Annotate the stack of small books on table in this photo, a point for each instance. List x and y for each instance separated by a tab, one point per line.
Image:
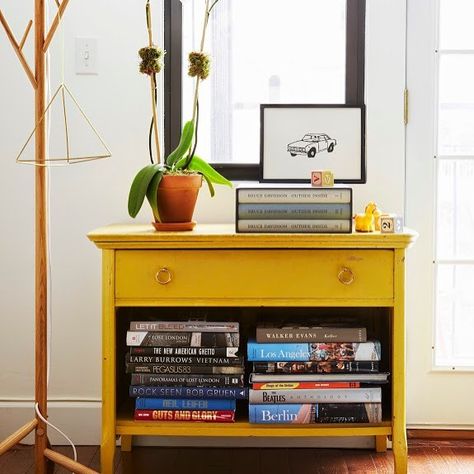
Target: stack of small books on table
295	210
185	370
310	375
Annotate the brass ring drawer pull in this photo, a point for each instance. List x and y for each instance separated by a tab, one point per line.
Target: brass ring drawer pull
345	276
163	276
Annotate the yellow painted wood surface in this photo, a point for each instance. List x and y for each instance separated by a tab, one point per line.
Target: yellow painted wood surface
214	266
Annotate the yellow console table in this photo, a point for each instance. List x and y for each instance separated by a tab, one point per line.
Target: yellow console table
212	267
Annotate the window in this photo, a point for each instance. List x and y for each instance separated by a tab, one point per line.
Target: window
263	51
454	259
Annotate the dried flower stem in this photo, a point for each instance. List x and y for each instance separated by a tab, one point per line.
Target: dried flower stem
153	86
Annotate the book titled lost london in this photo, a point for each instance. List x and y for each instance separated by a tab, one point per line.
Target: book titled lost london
183	339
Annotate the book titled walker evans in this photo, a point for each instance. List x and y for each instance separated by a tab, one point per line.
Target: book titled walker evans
192	380
181	369
222	393
183	339
184	326
318	351
297	226
316	413
294	195
216	361
343	395
183	404
313	367
310	334
208	416
294	211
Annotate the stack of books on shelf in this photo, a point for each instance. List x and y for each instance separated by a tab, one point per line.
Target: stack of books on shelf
295	210
311	375
185	370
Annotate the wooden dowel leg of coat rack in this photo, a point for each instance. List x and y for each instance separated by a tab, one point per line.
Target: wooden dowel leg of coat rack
41	256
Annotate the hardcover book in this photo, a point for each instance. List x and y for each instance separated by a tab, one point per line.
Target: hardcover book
223	393
193	380
378	377
183	404
207	416
189	360
180	369
303	385
294	195
294	211
297	226
316	413
186	351
289	333
184	326
316	351
341	395
183	339
325	367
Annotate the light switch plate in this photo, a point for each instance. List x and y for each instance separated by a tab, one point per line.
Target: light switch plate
86	56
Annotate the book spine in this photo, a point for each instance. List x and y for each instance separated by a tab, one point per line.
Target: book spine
216	361
316	413
182	339
208	416
321	334
186	351
303	385
183	404
294	195
316	367
344	395
319	352
294	211
298	226
199	380
184	326
223	393
180	369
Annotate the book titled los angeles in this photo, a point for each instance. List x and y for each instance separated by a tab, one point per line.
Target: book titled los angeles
317	351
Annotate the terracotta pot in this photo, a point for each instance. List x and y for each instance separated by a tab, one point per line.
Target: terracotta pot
177	195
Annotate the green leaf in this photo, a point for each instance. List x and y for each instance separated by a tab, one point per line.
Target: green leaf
209	184
152	193
199	165
139	188
184	144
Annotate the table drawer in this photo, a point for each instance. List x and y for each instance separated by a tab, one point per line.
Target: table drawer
256	274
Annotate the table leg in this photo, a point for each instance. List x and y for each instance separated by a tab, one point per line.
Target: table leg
126	443
380	443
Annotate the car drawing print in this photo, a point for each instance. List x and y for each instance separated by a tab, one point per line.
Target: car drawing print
311	144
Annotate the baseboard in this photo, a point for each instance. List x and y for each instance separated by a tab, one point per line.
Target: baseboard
443	433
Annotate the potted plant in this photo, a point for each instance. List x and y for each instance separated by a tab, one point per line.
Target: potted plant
171	185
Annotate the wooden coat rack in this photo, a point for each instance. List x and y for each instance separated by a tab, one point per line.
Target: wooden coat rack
45	457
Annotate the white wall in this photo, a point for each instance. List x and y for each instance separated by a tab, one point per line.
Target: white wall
87	196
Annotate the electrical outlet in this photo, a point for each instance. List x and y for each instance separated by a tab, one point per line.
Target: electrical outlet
86	56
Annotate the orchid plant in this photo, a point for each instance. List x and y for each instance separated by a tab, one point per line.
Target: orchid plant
183	159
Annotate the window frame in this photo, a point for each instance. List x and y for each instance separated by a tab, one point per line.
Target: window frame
355	78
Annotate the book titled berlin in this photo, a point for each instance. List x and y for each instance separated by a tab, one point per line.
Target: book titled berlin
183	339
316	413
207	416
294	195
184	326
336	226
342	395
318	351
310	334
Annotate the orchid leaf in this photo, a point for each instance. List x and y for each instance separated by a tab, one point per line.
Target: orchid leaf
210	185
139	188
152	193
184	144
199	165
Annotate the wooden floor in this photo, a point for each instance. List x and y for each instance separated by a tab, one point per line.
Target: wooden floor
425	457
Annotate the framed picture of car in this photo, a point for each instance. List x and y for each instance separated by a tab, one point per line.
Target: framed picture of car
296	139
